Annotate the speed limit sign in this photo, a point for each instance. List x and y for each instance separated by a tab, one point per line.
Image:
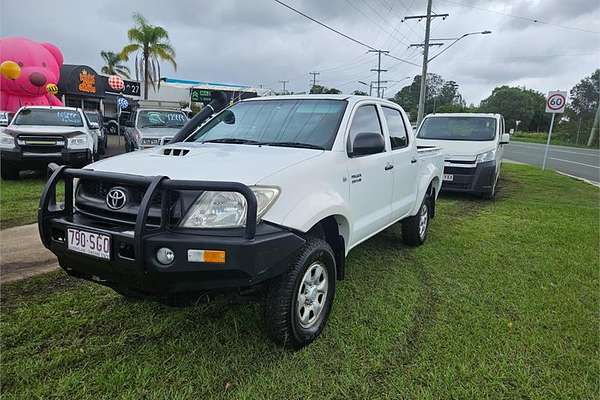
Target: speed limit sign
556	101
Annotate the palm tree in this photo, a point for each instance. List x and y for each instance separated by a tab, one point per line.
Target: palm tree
150	44
114	64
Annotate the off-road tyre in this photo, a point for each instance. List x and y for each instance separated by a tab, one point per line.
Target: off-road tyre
281	311
413	231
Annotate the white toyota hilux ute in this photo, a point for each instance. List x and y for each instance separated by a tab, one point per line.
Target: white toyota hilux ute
267	197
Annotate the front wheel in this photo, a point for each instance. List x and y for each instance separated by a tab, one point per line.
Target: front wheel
298	302
414	229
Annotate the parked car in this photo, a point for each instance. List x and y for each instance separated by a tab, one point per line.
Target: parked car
268	196
96	118
473	144
38	135
148	127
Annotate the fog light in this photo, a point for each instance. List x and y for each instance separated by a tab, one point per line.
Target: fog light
165	256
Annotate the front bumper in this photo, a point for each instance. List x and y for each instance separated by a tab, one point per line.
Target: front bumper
476	179
253	254
22	160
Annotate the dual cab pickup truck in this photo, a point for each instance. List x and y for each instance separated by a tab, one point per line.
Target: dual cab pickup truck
38	135
268	196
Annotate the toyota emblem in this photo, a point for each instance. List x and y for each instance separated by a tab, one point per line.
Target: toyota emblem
116	198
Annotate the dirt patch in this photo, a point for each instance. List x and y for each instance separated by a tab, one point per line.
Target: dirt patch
14	293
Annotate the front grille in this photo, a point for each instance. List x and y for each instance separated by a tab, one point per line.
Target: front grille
44	144
459	171
91	200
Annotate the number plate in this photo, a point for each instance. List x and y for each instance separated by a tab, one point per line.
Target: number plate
448	177
93	244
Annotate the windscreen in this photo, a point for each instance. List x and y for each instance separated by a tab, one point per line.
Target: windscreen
293	122
458	128
48	117
161	119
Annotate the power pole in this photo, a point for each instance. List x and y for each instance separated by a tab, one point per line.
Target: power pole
283	83
426	46
379	70
314	75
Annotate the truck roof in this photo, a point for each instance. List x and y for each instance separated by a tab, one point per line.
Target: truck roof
54	108
349	98
474	115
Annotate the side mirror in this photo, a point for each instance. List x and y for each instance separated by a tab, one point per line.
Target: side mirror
94	125
505	138
366	143
228	117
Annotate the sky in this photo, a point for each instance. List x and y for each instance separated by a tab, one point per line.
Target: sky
260	42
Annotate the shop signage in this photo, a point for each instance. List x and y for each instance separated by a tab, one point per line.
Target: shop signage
87	81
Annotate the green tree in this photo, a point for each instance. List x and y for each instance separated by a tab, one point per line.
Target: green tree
584	103
518	104
440	95
319	89
150	44
360	93
114	64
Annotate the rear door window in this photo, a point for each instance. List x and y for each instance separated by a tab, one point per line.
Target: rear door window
396	127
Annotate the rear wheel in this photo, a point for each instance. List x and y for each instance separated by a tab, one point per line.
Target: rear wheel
414	229
298	302
9	172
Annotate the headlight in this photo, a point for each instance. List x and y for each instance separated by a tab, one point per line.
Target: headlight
151	141
487	156
227	209
78	142
6	141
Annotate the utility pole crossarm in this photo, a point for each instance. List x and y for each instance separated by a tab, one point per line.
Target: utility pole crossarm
444	16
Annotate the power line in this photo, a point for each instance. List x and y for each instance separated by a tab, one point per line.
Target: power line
337	31
529	19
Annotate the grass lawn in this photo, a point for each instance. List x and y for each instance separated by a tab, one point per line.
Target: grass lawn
19	200
501	302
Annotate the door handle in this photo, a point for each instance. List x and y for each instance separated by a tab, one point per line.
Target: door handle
414	160
389	166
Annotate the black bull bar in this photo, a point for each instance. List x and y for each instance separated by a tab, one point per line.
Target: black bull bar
48	207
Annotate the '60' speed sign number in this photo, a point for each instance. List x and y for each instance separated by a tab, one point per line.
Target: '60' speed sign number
556	102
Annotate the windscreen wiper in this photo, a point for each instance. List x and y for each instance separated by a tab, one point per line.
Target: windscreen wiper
295	144
232	141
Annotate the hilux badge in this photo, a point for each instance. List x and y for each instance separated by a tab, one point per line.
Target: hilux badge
116	198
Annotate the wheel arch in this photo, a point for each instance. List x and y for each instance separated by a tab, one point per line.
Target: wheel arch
335	230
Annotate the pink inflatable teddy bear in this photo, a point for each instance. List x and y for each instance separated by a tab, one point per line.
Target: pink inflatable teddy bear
29	73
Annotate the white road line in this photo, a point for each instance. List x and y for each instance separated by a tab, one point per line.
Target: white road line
575	162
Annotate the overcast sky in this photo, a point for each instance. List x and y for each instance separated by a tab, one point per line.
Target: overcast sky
261	42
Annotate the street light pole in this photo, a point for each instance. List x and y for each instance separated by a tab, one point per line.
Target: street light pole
456	40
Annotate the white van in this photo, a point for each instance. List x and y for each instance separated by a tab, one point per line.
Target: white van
473	147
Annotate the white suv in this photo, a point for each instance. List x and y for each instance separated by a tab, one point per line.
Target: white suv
38	135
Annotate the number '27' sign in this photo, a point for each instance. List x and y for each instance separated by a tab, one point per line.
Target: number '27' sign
556	101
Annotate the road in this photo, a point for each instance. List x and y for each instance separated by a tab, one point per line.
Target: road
583	163
23	254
